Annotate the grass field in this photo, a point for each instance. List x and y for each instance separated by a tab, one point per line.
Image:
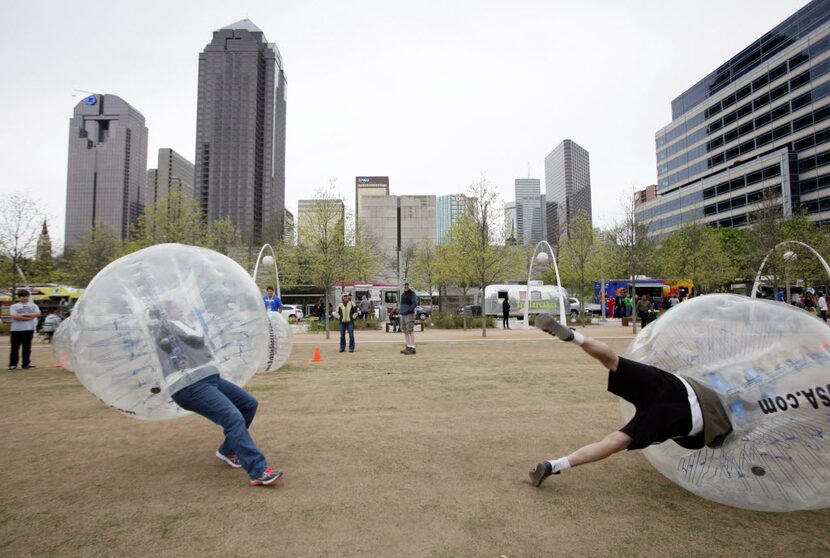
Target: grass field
384	454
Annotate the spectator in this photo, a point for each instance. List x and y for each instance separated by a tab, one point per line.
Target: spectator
505	311
346	314
673	301
272	301
364	307
409	300
24	316
644	308
628	305
51	323
320	309
822	306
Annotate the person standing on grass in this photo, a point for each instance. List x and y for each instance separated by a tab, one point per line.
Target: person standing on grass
272	301
668	406
409	301
822	306
24	315
505	313
346	314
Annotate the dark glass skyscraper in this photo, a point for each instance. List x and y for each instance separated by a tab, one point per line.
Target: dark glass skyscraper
567	187
240	132
107	168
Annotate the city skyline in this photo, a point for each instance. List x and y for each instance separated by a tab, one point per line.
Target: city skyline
347	110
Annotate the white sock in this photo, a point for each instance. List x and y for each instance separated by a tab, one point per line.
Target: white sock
559	465
579	339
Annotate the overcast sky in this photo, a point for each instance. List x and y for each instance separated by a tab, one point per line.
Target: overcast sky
432	94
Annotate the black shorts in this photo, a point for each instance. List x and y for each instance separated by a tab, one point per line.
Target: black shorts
660	399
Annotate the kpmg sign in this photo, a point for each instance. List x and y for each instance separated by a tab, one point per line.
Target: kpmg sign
374	180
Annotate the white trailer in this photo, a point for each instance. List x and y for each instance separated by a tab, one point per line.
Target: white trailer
544	299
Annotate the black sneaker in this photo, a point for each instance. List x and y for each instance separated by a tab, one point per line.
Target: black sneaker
12	368
549	325
405	351
268	476
542	471
231	460
29	367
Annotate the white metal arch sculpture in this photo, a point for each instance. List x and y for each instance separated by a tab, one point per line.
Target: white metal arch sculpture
763	263
544	244
276	271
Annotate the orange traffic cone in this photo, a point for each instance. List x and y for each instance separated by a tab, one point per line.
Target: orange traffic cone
316	357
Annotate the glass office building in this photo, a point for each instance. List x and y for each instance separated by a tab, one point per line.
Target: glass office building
759	123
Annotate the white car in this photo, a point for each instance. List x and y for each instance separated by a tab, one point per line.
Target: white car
574	306
292	311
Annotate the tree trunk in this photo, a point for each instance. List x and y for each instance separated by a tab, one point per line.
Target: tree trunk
326	308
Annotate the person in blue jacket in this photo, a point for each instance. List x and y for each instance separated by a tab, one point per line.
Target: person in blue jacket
409	300
272	301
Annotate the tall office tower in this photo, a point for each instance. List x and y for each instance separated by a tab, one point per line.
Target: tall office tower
240	132
528	211
318	217
758	124
368	186
510	231
449	210
398	223
568	185
174	174
107	168
551	222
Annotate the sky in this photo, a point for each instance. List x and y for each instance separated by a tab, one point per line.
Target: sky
433	94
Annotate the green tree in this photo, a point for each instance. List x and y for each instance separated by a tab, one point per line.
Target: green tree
579	259
476	239
633	249
424	272
695	252
100	247
175	218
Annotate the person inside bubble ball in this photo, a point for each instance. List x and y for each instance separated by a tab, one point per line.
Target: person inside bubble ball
193	382
668	406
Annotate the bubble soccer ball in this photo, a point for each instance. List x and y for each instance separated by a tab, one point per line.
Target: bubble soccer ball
268	261
151	321
542	257
770	364
280	340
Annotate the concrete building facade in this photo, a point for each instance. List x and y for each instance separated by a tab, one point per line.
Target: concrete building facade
107	168
240	132
368	186
398	223
757	126
568	186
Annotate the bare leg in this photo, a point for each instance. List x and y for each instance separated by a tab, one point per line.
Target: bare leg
611	444
601	352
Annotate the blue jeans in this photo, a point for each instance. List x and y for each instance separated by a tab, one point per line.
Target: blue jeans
344	327
233	409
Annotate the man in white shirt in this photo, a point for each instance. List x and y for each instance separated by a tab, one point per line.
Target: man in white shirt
24	316
822	306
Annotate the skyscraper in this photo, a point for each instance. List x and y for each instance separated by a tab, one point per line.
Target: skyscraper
528	211
321	218
107	168
568	185
753	131
240	132
368	186
174	173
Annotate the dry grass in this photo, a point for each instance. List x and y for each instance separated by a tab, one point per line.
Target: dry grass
385	455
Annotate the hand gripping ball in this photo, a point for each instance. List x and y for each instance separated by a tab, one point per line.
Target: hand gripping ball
159	319
769	362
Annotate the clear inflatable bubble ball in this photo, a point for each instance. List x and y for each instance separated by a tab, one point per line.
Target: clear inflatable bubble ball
769	362
155	320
